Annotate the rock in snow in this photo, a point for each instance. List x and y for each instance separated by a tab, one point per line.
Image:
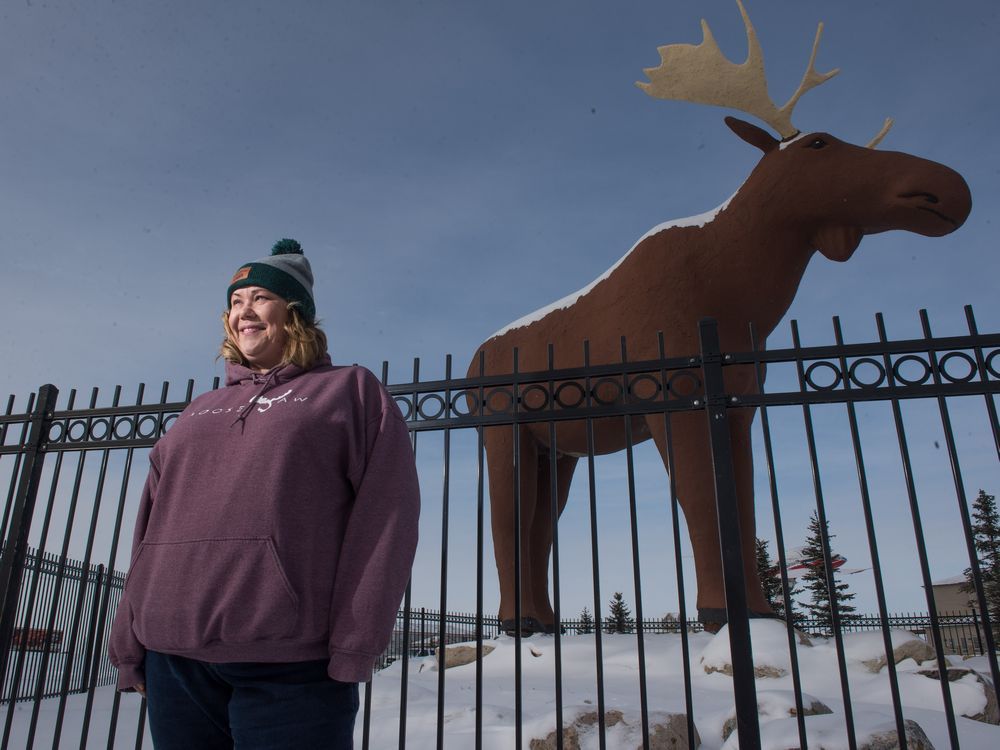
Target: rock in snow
888	739
991	711
778	704
666	732
770	650
912	648
460	655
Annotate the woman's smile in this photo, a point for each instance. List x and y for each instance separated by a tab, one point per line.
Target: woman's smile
257	318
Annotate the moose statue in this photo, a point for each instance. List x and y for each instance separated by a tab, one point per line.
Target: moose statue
740	264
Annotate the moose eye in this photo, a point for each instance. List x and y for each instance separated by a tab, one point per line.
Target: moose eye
817	143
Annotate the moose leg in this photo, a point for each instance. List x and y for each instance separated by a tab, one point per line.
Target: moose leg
695	482
541	530
739	430
504	465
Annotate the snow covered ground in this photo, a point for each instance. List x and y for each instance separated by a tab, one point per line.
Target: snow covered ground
73	720
712	692
712	695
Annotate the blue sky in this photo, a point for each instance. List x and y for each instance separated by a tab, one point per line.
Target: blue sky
447	166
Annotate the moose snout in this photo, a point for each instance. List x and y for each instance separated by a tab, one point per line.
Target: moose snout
929	202
944	201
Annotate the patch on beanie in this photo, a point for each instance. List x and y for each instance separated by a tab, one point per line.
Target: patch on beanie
286	247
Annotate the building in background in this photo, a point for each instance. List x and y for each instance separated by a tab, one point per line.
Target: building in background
961	623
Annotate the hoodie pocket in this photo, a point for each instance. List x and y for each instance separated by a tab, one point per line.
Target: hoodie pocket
186	595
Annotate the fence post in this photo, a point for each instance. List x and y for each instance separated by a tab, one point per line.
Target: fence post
90	646
979	634
737	612
423	635
15	547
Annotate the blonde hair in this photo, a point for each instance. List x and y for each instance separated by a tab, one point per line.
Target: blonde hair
306	342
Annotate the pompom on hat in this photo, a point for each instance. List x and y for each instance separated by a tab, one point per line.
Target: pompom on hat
286	272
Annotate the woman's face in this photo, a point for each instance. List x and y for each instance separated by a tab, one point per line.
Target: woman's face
257	318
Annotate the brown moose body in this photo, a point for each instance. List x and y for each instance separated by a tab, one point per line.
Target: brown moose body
741	264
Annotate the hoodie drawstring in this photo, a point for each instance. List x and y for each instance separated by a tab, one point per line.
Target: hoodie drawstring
266	382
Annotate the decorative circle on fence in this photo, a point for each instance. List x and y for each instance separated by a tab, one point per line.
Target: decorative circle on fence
570	384
820	366
470	398
852	372
502	405
925	368
75	435
104	423
128	423
530	402
681	377
168	421
991	367
148	427
433	398
598	387
635	389
57	431
957	357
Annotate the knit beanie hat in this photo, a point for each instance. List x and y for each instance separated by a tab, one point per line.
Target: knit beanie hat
286	272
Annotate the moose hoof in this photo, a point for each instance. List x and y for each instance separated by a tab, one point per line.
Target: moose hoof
713	618
529	626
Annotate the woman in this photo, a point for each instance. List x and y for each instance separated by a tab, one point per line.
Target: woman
274	537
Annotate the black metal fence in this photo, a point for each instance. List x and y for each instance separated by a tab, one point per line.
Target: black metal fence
43	442
40	660
41	664
963	630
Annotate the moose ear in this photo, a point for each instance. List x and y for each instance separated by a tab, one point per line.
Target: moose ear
752	134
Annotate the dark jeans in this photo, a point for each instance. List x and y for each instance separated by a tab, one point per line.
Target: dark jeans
250	706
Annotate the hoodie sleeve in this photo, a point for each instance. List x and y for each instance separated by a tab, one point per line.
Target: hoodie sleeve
380	540
124	649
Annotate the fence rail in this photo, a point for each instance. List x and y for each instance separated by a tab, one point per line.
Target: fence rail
71	602
461	627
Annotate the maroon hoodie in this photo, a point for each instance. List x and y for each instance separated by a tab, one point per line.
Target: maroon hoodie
278	523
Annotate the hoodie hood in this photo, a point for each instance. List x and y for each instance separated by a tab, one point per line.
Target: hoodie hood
237	374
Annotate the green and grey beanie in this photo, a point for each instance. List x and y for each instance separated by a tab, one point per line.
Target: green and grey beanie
286	272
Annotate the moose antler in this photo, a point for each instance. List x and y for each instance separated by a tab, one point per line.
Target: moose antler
881	134
702	74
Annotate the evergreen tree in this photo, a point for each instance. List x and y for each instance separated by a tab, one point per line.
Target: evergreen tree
814	580
770	579
586	622
986	538
619	617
